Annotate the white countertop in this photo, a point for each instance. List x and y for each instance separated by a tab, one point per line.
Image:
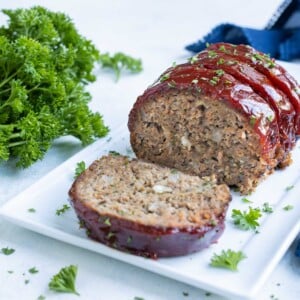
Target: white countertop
155	31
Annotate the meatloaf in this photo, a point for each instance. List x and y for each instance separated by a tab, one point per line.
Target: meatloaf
224	112
149	210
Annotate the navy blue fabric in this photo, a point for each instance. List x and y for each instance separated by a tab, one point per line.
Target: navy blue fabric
280	38
282	44
297	252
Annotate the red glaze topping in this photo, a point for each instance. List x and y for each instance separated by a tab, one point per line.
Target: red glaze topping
267	66
147	241
285	113
221	87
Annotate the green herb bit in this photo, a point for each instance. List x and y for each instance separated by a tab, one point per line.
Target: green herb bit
62	210
26	281
246	200
31	210
33	270
41	297
10	271
270	118
267	208
219	72
107	222
253	120
7	251
174	64
120	61
208	294
80	167
228	259
138	298
193	59
290	187
185	294
114	153
221	61
222	48
246	220
110	235
164	77
64	280
214	80
288	207
129	239
212	54
207	45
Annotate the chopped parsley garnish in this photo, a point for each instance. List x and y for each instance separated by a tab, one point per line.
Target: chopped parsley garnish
10	271
62	210
207	45
33	270
185	294
138	298
222	48
193	59
247	219
252	120
270	118
267	208
246	200
288	207
107	222
288	188
129	239
221	61
31	210
80	167
7	251
214	80
219	72
41	297
211	54
164	77
114	153
26	281
228	259
64	280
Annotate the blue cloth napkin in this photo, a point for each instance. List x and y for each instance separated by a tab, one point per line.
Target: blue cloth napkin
280	38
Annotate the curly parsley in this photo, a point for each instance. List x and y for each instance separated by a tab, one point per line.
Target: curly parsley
7	251
80	167
64	280
228	259
247	219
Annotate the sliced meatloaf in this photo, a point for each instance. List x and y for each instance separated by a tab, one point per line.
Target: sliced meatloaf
216	115
147	209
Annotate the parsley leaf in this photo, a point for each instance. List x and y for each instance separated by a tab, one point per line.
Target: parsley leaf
267	208
120	61
228	259
80	167
246	220
7	251
288	207
62	210
33	270
64	280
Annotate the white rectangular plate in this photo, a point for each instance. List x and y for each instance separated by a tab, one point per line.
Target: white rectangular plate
263	249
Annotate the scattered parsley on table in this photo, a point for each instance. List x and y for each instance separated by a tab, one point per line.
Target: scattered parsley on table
7	251
64	280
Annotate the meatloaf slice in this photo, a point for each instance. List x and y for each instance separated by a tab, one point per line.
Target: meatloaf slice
205	122
147	209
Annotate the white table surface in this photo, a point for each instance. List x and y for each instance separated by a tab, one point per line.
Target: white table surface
155	31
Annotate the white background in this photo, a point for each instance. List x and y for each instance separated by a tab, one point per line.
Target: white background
156	32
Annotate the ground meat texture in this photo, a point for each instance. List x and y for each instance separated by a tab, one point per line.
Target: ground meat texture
279	102
267	66
149	210
205	123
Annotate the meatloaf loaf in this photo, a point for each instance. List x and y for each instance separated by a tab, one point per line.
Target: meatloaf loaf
225	112
147	209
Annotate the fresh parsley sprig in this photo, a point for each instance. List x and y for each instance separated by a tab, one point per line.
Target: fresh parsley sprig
228	259
64	280
80	167
246	220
